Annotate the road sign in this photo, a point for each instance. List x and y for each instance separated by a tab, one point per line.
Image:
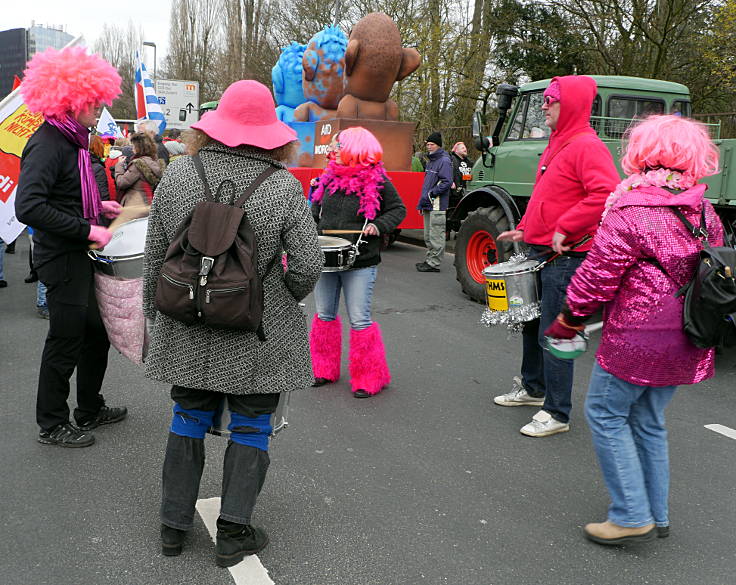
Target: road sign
179	101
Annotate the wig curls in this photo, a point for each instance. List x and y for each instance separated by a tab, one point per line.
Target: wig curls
69	81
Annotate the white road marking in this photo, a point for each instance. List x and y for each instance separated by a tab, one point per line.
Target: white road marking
249	571
726	431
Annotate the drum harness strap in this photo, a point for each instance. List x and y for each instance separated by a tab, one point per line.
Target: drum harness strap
556	255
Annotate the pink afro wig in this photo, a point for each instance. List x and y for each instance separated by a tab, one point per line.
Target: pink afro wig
670	142
69	81
358	147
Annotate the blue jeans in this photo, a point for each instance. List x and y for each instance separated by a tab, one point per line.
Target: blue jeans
2	258
627	423
40	295
358	287
543	374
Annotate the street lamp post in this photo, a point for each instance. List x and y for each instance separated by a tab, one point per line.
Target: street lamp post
150	44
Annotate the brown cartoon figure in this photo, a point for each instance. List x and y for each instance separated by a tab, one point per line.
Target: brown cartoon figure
374	60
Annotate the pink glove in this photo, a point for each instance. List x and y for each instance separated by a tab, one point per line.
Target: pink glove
111	209
560	329
99	235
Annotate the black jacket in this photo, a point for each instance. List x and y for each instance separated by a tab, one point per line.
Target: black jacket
460	166
339	211
101	177
49	195
162	151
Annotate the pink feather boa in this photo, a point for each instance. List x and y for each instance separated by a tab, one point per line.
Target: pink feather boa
365	182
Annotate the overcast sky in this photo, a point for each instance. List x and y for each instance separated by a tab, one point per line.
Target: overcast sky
86	18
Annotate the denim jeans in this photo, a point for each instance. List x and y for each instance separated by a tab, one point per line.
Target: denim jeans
630	440
40	295
358	287
542	373
2	258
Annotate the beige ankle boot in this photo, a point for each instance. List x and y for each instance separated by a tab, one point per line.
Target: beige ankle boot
609	533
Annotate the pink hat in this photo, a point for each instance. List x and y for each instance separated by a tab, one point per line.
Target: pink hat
246	114
553	91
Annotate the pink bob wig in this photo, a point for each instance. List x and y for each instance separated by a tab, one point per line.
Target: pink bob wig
358	147
670	142
68	82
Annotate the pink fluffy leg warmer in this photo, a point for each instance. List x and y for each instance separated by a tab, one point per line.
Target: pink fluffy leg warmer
368	367
325	343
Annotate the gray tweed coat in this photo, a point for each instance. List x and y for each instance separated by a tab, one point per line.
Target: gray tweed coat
236	362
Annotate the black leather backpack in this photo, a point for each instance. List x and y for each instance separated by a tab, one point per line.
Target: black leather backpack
709	313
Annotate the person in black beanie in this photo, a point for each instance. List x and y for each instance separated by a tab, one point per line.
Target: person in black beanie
434	201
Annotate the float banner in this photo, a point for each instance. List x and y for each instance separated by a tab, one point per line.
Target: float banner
17	125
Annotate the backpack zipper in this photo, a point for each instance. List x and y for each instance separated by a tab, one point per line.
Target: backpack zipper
209	291
181	284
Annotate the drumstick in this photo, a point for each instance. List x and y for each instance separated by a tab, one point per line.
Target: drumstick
343	232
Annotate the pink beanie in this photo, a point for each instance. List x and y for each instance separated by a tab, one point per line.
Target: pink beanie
553	91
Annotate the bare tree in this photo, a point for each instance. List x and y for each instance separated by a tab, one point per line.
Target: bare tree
118	45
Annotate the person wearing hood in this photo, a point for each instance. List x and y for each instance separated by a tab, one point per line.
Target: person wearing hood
641	256
434	202
576	174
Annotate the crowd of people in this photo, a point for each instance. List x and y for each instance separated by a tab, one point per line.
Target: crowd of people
607	244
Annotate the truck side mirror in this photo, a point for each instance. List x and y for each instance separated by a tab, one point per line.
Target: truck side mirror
481	142
505	94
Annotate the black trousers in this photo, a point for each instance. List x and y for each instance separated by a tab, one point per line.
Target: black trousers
244	467
76	340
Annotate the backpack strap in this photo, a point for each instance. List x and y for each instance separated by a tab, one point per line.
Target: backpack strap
254	185
700	232
200	171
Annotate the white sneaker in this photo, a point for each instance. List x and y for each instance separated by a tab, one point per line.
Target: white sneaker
518	396
544	425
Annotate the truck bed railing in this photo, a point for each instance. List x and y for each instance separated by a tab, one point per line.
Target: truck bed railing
615	128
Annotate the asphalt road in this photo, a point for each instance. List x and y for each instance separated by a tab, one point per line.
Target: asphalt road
427	483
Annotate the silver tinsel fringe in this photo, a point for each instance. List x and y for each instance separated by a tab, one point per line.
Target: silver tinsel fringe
514	318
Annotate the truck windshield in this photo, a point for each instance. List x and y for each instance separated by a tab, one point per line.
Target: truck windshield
528	123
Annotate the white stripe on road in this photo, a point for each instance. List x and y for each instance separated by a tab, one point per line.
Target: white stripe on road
249	571
726	431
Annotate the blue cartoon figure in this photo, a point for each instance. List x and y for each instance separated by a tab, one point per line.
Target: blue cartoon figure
322	79
287	81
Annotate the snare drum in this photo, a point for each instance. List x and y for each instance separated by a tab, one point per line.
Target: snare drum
513	287
123	255
339	253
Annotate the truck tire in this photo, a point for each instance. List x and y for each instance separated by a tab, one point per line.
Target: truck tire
476	248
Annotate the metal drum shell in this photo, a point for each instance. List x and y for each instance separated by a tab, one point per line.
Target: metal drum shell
521	284
338	253
122	257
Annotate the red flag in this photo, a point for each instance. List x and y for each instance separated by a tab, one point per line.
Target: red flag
16	81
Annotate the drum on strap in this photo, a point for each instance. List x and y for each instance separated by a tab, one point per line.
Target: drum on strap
339	253
122	257
278	419
512	291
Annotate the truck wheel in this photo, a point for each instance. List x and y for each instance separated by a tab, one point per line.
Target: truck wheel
476	248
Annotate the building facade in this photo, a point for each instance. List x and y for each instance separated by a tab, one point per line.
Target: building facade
18	45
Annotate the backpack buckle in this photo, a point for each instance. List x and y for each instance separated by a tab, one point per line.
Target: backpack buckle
205	266
700	233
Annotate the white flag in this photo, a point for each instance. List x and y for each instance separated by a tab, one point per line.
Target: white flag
107	127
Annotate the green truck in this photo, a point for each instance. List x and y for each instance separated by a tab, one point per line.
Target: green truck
503	176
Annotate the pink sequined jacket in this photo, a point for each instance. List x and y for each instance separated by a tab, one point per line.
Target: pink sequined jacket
643	342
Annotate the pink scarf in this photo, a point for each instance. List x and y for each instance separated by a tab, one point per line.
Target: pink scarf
365	182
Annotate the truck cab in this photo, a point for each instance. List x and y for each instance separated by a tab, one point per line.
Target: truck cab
504	174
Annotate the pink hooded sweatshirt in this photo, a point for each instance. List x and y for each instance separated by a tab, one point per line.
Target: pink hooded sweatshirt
643	342
576	173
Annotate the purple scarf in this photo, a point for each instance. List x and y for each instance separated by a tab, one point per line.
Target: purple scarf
78	135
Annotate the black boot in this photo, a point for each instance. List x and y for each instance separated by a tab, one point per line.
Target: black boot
172	540
235	541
